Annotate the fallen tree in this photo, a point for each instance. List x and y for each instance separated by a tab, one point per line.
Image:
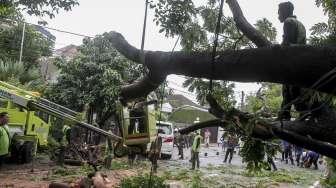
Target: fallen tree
304	66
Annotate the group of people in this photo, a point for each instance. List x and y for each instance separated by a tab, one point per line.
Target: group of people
303	158
192	140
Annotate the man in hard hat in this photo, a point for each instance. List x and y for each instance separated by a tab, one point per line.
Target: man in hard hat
4	137
195	149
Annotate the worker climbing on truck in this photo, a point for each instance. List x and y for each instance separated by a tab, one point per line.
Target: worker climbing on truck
4	137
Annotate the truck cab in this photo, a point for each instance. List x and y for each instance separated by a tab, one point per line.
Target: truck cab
24	123
138	125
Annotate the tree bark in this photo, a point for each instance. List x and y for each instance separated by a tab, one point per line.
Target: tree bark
285	132
295	65
145	85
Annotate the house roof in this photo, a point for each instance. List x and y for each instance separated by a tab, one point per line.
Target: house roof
178	100
189	114
67	51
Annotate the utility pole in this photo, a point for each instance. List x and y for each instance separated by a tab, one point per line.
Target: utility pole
242	100
22	40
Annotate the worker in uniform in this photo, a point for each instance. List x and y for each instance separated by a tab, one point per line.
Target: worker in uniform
108	153
66	130
155	151
195	149
4	137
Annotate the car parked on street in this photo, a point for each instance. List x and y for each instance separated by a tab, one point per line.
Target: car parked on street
165	130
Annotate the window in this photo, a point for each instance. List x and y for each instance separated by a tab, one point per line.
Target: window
3	103
42	115
167	129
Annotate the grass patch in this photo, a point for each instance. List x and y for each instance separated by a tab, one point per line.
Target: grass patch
119	164
142	181
294	176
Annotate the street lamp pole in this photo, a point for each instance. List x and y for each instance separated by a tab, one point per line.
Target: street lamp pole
22	40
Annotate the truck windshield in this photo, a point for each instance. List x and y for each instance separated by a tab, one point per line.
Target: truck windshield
166	129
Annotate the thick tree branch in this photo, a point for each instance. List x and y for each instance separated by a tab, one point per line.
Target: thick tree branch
274	130
277	64
249	31
143	87
147	84
201	125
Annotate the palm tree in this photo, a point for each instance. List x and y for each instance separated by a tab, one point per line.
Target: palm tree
15	72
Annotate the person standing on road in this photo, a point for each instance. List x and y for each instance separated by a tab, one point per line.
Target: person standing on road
207	135
195	149
298	152
288	152
271	151
4	137
108	153
232	143
222	139
155	151
180	143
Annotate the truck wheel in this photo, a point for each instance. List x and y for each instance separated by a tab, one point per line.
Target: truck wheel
168	157
120	150
27	152
15	152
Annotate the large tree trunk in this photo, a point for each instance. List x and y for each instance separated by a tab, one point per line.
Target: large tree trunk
296	65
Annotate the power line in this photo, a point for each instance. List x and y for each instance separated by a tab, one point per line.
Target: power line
46	27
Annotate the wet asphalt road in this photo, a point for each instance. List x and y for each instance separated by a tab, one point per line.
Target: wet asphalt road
215	156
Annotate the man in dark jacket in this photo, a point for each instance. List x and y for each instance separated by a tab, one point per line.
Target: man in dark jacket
232	143
294	34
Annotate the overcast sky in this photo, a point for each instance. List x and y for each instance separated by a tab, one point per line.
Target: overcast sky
126	16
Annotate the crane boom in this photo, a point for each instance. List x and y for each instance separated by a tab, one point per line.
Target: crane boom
32	101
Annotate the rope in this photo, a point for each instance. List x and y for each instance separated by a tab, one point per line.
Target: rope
142	53
214	49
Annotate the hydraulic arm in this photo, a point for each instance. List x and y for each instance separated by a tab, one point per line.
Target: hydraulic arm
32	101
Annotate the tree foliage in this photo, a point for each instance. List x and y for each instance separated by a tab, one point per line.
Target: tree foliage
268	99
35	44
324	33
15	73
37	8
93	77
196	26
222	91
